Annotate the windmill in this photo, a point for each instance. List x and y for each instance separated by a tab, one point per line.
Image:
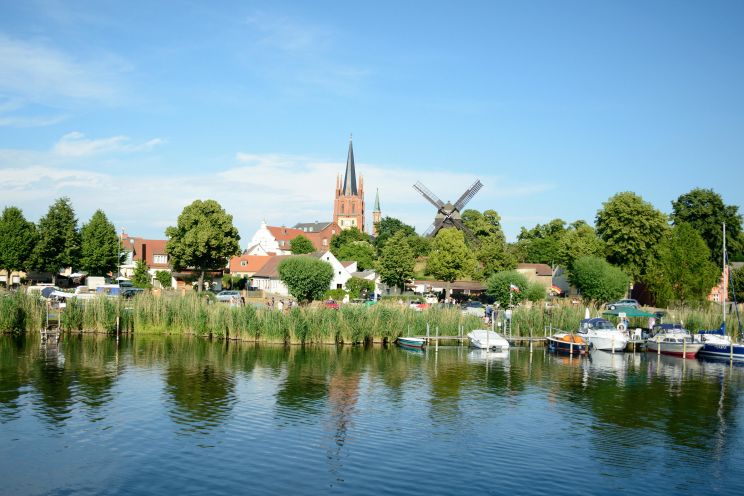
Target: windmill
448	214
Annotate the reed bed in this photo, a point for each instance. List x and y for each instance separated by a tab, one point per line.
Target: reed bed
195	315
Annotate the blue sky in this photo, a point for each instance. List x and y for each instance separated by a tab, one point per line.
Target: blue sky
139	108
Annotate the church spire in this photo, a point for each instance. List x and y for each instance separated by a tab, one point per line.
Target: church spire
377	201
350	182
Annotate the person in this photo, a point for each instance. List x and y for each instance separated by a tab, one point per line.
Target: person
280	305
489	313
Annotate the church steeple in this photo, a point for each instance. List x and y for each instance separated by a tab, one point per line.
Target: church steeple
376	215
377	201
350	183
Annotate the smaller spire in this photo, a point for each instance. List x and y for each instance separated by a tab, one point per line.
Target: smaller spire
377	201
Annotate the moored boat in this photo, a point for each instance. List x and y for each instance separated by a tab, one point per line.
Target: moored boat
565	342
602	335
410	342
487	340
674	341
717	344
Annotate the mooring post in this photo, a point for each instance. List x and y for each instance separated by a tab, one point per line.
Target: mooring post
658	346
436	342
684	347
613	344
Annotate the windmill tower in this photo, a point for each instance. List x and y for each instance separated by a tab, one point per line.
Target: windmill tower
448	214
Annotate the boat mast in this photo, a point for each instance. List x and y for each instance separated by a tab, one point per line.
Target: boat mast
725	276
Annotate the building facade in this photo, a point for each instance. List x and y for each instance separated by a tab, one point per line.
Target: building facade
348	206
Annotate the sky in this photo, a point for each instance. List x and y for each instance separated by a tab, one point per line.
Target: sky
140	108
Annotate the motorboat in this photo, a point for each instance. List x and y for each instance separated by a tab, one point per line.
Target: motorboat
673	340
487	340
717	344
411	342
602	335
566	342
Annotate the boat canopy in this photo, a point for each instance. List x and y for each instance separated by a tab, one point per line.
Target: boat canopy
629	312
721	331
596	323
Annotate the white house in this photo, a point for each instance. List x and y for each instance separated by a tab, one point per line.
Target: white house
267	277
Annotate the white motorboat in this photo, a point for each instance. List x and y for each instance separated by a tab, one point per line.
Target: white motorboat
602	335
487	340
673	341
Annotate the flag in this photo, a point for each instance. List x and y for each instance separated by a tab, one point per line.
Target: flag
514	287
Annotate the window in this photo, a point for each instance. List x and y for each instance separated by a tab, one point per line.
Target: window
353	208
281	242
243	263
342	208
325	242
160	259
339	286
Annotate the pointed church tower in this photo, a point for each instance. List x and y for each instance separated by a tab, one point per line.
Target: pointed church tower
348	207
376	214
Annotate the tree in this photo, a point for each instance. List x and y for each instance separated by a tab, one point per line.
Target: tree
141	276
450	258
389	227
597	280
58	243
535	292
357	287
493	256
705	211
204	238
99	245
362	252
579	240
499	287
396	261
165	278
541	243
631	229
306	278
17	239
346	237
301	245
484	226
683	272
736	285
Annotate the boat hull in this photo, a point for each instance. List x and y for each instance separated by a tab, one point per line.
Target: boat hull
604	343
484	339
412	342
689	350
560	346
722	351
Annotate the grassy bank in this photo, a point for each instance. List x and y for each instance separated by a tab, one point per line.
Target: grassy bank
194	315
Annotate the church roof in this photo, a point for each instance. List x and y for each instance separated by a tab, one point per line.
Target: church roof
312	227
350	183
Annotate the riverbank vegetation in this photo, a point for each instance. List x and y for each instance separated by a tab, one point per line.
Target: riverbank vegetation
351	324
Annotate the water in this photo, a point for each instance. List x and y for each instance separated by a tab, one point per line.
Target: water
160	415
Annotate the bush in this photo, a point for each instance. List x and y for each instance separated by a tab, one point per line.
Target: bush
306	278
499	284
597	280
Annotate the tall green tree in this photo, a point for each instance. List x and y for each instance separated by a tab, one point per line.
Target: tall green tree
450	258
631	228
389	227
204	238
58	244
493	256
396	261
17	240
99	245
484	226
300	245
541	243
141	275
357	287
705	211
597	280
579	240
362	252
736	285
499	287
306	278
346	237
683	272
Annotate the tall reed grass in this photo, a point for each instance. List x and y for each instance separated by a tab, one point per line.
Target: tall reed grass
193	314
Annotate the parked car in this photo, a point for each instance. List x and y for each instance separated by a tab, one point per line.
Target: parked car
623	303
331	304
229	296
474	308
129	293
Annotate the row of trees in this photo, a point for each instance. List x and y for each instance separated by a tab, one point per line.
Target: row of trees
56	242
677	256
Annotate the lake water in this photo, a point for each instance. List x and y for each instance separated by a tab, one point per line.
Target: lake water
160	415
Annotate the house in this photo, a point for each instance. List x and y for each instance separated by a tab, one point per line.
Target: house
15	278
267	277
151	251
720	290
466	288
274	240
540	273
247	265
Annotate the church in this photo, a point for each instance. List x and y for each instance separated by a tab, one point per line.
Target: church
348	206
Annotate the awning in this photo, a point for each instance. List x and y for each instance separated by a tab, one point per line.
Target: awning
629	312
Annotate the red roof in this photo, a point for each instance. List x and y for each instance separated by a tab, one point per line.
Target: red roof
287	234
146	249
253	263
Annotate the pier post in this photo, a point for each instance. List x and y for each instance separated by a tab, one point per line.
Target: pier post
684	347
658	346
436	342
613	345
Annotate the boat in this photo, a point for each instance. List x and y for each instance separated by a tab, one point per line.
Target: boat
487	340
565	342
672	339
716	343
409	342
602	335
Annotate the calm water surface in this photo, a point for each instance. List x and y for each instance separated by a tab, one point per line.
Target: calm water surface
159	415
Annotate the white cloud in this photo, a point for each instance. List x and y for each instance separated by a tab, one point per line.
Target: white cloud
282	189
29	121
75	144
